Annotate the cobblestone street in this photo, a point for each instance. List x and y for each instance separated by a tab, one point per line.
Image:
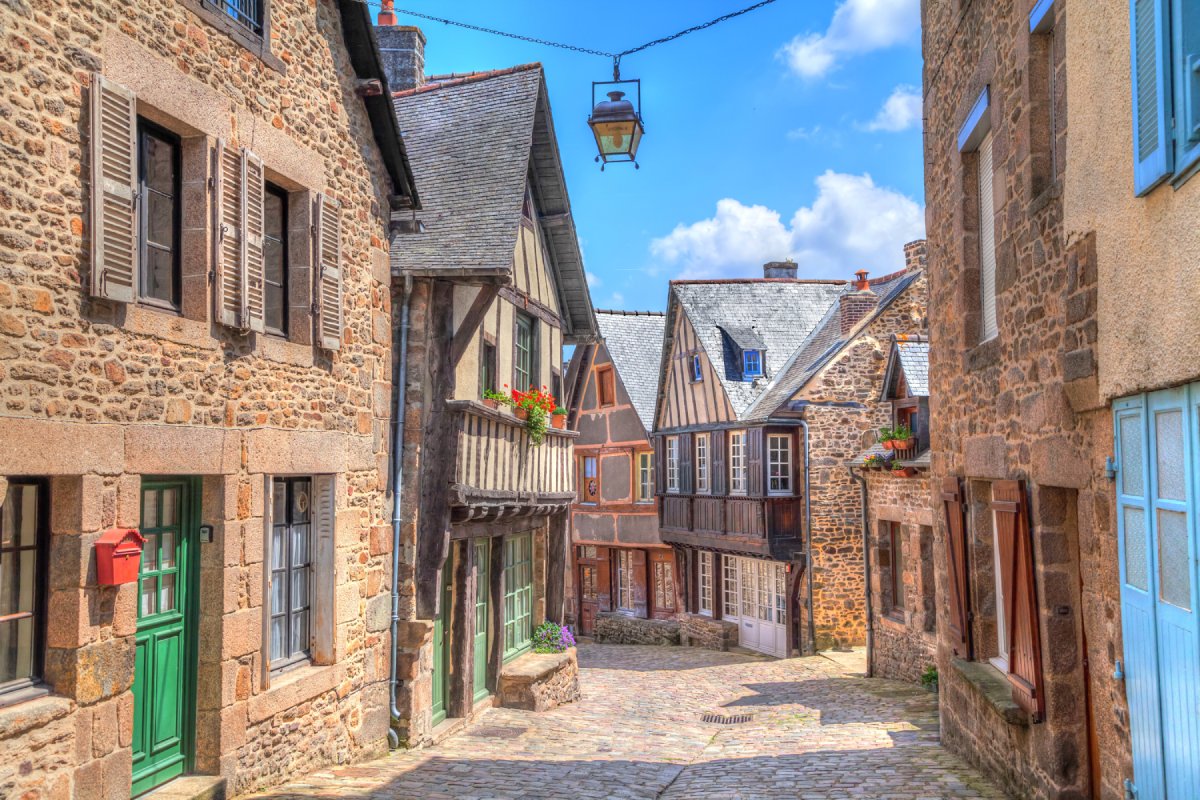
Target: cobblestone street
816	731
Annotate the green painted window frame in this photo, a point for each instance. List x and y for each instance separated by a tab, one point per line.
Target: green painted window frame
518	595
525	353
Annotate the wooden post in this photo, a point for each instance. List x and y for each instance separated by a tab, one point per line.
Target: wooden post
496	608
460	692
441	451
557	548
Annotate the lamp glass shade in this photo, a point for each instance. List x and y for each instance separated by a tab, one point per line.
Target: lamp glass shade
617	138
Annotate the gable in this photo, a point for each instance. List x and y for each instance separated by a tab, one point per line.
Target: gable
614	424
686	403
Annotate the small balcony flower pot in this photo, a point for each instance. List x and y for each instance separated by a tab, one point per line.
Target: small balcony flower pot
889	444
522	413
559	421
907	444
904	472
487	401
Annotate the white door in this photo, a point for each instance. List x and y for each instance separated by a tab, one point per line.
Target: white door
762	606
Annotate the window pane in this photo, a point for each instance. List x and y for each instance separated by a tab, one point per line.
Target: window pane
300	545
166	595
170	507
278	592
158	275
279	547
1131	456
1135	548
18	527
167	548
149	592
160	220
1174	566
300	501
279	637
16	649
150	508
273	224
300	632
16	582
159	164
1169	433
300	589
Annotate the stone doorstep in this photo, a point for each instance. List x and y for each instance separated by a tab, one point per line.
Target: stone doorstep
189	787
454	725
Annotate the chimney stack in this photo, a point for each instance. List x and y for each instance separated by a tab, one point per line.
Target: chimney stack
857	304
915	255
403	50
780	269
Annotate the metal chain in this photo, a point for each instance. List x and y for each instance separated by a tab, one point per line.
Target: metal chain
616	57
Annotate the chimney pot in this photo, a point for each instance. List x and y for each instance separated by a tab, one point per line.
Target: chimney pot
862	284
780	269
387	13
857	304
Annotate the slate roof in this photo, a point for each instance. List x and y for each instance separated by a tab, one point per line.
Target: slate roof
781	313
634	340
910	354
474	141
823	345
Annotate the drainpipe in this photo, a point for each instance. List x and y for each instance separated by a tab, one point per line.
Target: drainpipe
397	484
808	564
866	535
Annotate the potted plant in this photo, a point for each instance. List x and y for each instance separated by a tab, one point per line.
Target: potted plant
494	399
874	462
901	471
897	438
534	408
929	678
558	418
550	637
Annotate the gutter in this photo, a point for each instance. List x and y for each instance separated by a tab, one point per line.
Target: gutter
397	486
866	535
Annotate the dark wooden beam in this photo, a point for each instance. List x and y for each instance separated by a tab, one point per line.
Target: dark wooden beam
558	535
461	693
470	324
524	301
496	610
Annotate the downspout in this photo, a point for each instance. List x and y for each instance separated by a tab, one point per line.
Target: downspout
808	564
397	484
866	535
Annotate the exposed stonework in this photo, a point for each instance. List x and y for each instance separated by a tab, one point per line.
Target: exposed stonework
617	628
696	630
540	681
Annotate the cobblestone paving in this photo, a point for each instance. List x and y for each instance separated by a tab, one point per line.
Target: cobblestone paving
816	731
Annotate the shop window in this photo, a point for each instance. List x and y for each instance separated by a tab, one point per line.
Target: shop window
291	585
23	542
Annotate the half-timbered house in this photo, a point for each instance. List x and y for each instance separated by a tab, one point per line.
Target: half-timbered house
490	286
623	572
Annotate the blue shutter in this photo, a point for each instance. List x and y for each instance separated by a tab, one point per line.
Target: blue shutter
1152	147
1185	34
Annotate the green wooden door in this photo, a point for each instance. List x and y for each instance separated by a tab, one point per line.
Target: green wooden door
440	661
164	671
482	588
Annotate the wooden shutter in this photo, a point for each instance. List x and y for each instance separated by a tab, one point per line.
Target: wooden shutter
718	476
637	580
324	528
229	200
687	472
114	181
329	275
1020	594
754	462
958	592
987	242
660	465
604	579
254	194
1153	155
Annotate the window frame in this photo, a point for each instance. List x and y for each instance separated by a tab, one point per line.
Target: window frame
518	567
487	364
294	657
739	468
697	369
624	572
730	589
755	357
285	287
15	690
525	326
606	386
784	491
672	465
987	238
584	461
703	485
663	570
704	581
645	465
149	129
999	661
896	600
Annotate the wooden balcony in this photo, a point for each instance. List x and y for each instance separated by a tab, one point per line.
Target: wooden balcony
771	526
498	471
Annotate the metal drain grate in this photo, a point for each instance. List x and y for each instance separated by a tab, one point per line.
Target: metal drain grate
722	719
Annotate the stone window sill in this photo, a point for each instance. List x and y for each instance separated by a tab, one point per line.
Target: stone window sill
282	351
993	688
33	707
260	46
983	355
293	687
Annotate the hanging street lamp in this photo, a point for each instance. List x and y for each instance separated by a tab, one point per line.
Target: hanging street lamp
617	122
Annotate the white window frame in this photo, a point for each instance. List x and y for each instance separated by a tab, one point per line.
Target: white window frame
702	485
730	590
780	486
645	477
1000	661
673	465
989	326
739	474
705	579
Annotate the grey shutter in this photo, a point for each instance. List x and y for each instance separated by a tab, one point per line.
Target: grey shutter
755	467
229	201
687	471
718	476
324	534
253	221
329	272
114	191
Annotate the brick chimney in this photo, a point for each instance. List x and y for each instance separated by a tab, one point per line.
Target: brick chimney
858	303
780	269
403	50
915	255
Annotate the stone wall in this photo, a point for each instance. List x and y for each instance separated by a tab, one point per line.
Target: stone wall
97	394
1022	405
540	681
697	630
616	628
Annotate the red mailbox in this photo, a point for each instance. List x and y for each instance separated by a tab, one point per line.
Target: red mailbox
118	553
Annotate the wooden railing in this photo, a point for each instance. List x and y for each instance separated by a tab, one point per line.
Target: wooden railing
496	457
747	517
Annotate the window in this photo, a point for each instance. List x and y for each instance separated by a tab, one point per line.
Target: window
779	452
702	463
556	387
706	583
275	260
664	582
645	477
625	598
729	577
291	570
525	363
159	218
987	244
697	369
607	386
673	464
737	462
1000	661
589	490
895	574
752	363
247	13
518	594
587	583
487	366
22	584
1166	115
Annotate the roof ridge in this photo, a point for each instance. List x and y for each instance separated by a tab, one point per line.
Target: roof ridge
807	281
623	313
459	79
891	276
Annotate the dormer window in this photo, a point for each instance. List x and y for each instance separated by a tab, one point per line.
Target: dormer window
752	363
697	371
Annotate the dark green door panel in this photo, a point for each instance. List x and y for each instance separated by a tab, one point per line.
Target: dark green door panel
165	668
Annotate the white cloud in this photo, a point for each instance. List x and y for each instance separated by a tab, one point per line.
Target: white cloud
858	26
799	134
901	111
617	300
852	224
593	280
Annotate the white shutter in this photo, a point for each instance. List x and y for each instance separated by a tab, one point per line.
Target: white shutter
230	186
329	272
114	191
253	275
987	244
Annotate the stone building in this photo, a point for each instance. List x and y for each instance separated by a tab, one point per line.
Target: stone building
489	286
901	597
194	349
769	387
623	586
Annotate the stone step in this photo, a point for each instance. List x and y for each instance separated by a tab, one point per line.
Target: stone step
189	787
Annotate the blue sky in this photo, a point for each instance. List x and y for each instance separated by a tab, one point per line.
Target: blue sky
793	131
